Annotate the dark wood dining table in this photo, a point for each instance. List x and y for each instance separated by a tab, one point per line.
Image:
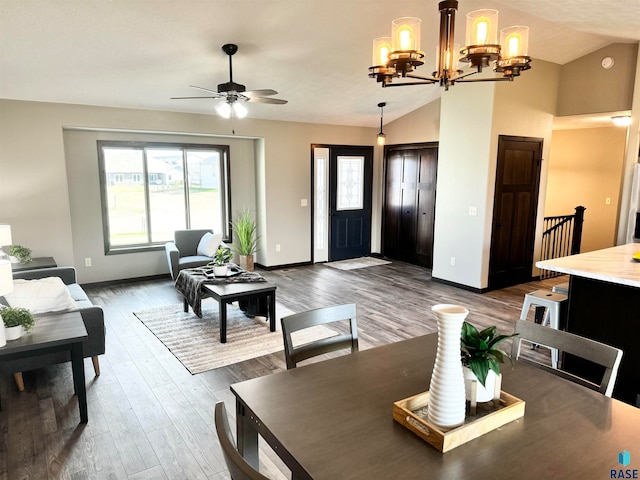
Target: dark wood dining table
333	420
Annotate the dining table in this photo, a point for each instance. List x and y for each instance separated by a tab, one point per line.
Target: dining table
333	419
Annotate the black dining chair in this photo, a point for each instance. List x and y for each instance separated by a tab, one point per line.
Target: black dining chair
320	316
605	355
238	467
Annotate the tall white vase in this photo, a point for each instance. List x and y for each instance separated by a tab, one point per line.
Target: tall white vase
446	392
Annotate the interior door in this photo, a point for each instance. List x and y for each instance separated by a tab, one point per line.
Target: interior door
514	211
350	183
409	206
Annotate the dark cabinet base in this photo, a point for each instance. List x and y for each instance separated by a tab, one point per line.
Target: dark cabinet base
609	313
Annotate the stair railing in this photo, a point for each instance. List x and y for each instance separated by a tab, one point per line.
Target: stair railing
561	237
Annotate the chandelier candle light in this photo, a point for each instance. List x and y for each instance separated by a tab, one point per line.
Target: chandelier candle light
399	55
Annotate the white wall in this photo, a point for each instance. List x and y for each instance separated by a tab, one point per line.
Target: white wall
35	195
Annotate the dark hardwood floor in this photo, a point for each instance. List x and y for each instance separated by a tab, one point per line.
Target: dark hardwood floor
149	418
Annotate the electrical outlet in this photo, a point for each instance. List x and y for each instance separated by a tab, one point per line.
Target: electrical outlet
87	262
277	247
303	202
473	211
607	201
453	261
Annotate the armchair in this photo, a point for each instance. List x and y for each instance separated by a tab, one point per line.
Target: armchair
183	251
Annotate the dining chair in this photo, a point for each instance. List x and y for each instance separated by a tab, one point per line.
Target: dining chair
319	316
605	355
238	467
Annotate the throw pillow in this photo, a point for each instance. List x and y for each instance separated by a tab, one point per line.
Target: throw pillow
42	295
209	243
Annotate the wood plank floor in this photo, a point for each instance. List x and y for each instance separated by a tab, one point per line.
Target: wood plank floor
149	418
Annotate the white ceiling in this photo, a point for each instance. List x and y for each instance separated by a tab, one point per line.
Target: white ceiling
315	53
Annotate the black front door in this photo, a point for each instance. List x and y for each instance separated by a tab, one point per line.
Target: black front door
350	181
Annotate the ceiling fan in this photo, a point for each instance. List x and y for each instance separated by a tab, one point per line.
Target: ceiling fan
234	94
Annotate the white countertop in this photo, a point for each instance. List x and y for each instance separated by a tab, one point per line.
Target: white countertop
615	265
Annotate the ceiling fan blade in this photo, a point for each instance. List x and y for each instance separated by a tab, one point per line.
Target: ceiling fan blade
260	93
218	94
184	98
275	101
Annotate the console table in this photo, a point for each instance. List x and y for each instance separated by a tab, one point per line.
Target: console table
52	333
35	263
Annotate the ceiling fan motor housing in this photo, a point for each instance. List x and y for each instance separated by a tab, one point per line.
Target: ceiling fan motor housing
231	87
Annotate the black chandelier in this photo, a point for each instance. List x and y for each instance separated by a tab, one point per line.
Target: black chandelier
399	55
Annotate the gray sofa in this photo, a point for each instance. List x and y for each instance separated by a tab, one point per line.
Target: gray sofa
92	315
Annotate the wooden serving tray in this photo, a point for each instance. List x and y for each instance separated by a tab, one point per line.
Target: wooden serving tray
407	413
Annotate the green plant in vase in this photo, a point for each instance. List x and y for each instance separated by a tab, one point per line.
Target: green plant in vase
23	254
221	258
17	317
246	245
480	354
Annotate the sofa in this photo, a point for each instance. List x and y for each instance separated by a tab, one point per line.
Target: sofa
186	251
92	315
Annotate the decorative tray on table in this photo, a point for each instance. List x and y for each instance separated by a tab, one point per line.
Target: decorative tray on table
412	413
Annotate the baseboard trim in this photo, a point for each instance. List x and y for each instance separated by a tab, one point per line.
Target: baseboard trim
109	283
279	267
460	285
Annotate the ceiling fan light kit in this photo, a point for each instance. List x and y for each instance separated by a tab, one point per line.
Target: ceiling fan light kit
234	95
398	56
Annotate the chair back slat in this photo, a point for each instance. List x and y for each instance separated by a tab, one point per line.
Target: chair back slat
605	355
312	318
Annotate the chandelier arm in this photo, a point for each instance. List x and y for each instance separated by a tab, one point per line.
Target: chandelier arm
492	79
430	81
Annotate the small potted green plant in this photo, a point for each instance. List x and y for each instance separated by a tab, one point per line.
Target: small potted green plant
22	254
221	258
481	359
16	320
245	230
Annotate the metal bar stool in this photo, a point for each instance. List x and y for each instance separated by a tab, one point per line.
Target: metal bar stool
552	302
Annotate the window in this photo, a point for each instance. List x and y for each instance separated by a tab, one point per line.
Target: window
187	186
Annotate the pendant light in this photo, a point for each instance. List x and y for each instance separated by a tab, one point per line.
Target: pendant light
381	136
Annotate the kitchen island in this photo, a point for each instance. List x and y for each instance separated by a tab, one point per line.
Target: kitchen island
604	304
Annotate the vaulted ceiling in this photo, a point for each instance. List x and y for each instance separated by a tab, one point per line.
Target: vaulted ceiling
315	53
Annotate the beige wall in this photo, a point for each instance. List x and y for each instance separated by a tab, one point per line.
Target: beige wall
586	87
585	168
48	195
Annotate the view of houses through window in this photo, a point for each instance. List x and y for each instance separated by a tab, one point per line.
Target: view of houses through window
149	190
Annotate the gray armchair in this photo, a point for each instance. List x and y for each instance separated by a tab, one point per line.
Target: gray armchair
92	315
182	252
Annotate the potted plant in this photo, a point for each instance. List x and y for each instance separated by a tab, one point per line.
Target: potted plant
247	240
16	321
22	254
481	359
221	258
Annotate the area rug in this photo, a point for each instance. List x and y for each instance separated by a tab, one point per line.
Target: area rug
354	263
196	341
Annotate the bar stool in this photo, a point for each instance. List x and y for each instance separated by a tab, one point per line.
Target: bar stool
561	288
552	303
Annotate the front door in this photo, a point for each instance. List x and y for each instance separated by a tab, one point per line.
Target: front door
350	182
514	210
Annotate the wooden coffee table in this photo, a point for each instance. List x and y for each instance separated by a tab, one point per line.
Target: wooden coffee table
226	293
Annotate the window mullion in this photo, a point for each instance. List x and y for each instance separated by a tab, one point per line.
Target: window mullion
185	184
147	201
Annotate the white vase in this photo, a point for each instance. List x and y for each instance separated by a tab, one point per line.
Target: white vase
13	333
220	270
446	392
483	394
3	338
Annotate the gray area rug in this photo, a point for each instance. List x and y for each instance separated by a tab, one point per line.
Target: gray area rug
355	263
196	341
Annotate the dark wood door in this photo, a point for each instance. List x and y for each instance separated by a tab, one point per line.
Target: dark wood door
350	183
514	211
409	207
